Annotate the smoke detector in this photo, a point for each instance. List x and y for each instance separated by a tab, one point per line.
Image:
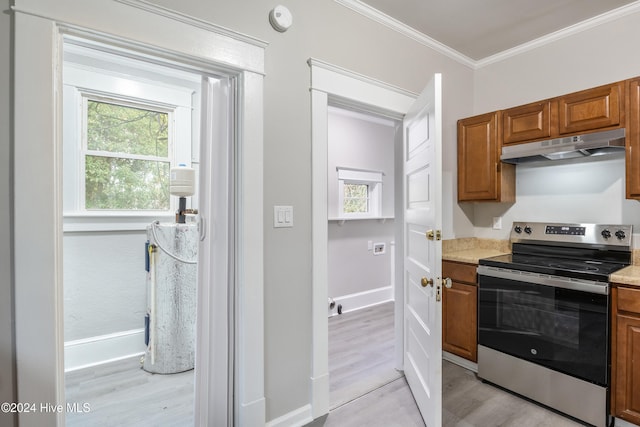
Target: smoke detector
280	18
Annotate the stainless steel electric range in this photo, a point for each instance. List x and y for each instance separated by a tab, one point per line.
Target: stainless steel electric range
543	315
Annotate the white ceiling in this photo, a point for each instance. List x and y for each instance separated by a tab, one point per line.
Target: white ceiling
479	29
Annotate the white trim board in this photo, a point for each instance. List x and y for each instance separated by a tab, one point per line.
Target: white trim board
39	29
384	19
331	85
360	300
93	351
453	358
296	418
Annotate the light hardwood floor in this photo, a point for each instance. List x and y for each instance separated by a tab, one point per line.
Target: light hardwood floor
361	353
361	358
365	388
122	394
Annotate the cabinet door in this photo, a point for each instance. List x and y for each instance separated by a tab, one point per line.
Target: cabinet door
459	321
529	122
481	176
592	109
633	140
627	368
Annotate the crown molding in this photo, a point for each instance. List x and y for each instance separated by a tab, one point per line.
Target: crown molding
193	21
384	19
587	24
394	24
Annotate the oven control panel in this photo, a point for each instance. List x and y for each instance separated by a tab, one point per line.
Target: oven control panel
583	234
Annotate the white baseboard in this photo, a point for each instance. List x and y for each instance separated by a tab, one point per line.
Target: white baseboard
320	395
252	413
362	299
460	361
297	418
101	349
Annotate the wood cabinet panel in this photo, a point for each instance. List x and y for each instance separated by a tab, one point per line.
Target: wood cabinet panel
625	354
460	272
592	109
459	310
459	323
481	175
529	122
629	300
632	159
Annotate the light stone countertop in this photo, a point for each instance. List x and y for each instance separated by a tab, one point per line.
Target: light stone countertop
471	249
471	256
627	276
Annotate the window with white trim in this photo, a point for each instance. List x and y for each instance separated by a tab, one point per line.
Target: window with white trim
359	193
125	124
126	158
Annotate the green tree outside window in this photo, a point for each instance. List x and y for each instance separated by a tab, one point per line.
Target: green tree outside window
127	158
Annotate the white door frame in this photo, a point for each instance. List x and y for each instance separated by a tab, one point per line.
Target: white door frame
332	84
40	26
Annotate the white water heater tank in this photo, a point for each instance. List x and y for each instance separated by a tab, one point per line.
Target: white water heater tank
182	181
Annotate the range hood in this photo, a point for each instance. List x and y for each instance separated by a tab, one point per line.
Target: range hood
579	146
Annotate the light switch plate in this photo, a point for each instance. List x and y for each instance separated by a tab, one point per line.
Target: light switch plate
282	216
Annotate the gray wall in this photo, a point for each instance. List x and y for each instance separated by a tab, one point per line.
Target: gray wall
359	143
353	268
104	283
327	31
583	192
7	383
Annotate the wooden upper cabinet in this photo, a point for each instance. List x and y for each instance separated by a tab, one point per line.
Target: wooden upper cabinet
481	175
632	166
530	122
592	109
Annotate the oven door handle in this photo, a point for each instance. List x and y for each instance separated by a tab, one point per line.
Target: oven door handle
581	285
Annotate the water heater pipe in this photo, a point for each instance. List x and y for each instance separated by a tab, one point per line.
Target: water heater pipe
152	315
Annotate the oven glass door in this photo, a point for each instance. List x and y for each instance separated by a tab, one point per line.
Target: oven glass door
561	329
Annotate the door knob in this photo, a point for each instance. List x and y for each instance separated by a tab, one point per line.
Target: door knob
424	282
447	282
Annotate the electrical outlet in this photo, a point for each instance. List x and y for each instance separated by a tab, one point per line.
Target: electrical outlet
497	223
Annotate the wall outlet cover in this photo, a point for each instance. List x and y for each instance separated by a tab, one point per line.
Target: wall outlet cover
378	248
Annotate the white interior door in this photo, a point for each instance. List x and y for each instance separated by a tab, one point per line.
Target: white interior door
423	251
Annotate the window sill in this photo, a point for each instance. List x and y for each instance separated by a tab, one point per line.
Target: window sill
87	222
342	220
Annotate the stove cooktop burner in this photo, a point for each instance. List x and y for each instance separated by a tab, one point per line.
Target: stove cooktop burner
587	270
581	251
571	265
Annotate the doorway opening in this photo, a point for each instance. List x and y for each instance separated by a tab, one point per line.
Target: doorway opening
233	246
130	262
362	180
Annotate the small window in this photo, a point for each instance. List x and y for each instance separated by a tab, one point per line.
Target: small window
359	193
356	198
126	158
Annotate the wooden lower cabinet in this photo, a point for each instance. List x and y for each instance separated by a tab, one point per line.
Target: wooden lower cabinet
459	310
625	353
